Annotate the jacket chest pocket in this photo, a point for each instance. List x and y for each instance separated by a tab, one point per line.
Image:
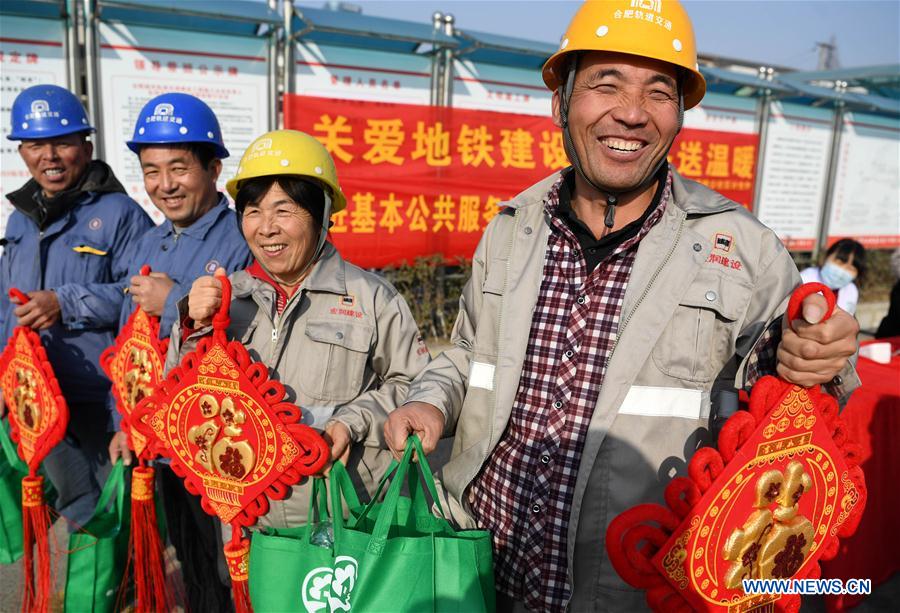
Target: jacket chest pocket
86	259
700	337
492	289
333	359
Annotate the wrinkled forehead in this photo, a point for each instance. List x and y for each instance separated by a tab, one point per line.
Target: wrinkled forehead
67	139
628	66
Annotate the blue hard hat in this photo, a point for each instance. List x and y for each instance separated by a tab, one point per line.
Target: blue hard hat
177	118
47	111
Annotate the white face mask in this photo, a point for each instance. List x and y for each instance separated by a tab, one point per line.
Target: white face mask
836	277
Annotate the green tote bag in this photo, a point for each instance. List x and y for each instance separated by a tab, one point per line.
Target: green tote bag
12	469
390	556
98	552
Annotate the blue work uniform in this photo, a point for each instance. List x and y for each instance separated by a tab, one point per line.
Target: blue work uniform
213	240
80	256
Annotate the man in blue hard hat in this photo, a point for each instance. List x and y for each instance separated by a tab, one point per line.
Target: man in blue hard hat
179	144
64	247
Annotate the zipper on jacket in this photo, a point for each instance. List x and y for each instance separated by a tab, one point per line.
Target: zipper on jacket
627	318
40	258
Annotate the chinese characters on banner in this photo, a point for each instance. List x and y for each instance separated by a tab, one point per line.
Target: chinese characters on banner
424	180
723	161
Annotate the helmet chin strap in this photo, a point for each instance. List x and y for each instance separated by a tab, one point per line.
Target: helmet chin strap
612	198
323	233
320	242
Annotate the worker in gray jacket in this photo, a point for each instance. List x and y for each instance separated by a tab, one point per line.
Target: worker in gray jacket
648	300
341	340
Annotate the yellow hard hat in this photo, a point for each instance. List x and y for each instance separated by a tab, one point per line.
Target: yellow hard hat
289	152
656	29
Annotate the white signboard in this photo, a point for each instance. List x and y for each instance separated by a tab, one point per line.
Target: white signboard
866	204
357	74
31	53
722	113
795	169
136	64
497	88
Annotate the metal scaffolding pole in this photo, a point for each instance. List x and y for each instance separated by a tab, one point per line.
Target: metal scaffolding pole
71	50
437	20
287	55
828	197
447	62
91	71
272	65
763	110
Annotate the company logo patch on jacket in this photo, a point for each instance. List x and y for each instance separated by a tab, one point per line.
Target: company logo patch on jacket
95	224
345	307
211	266
723	242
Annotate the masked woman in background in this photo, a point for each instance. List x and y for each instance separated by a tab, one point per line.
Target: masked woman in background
844	265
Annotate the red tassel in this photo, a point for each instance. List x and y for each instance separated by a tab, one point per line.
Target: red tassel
151	592
35	529
237	554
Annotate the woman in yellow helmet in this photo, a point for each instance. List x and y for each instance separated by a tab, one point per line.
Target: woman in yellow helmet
342	340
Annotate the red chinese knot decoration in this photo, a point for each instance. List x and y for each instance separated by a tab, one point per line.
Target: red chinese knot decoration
230	434
784	485
38	418
135	365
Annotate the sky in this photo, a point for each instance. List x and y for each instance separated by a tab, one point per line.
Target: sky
771	32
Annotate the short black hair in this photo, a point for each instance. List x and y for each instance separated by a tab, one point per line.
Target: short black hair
845	250
308	195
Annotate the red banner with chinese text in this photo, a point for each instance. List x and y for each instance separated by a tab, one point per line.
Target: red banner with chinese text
424	180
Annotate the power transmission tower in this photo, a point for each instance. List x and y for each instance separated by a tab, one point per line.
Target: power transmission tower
828	55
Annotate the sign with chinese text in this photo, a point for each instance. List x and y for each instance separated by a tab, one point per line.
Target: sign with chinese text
229	73
423	180
795	169
499	88
31	53
349	74
867	183
718	146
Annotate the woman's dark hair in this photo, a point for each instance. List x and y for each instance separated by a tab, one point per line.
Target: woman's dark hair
307	194
846	249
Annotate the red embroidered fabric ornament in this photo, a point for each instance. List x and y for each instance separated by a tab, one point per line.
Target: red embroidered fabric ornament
772	501
135	364
38	416
231	436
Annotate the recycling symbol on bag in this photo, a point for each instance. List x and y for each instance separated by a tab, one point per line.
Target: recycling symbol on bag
326	589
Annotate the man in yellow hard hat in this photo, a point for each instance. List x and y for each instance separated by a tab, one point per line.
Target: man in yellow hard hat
638	334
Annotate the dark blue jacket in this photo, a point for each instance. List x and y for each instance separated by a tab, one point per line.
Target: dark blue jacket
80	255
212	241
